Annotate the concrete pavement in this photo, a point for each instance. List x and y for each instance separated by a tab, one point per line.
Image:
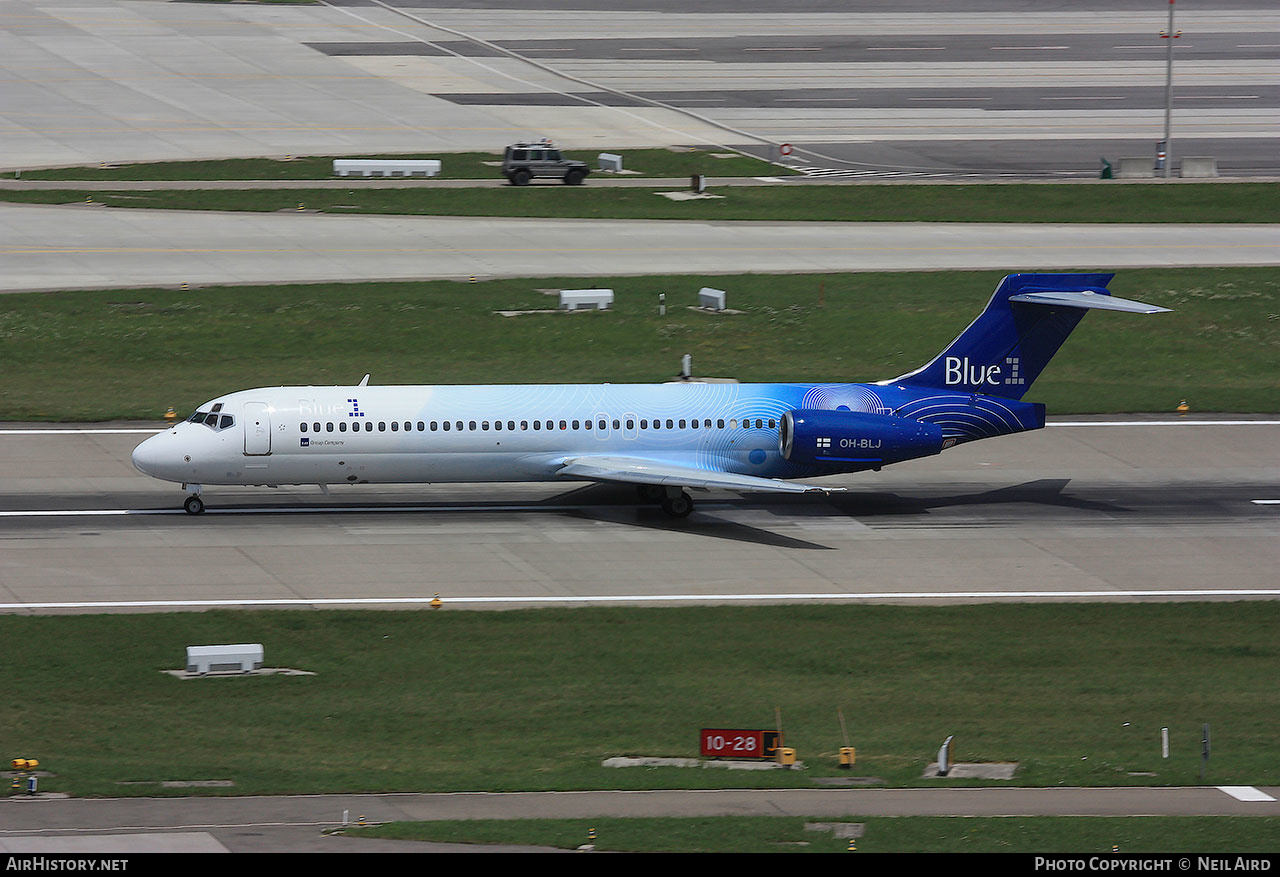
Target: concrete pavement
297	823
126	80
1066	513
46	247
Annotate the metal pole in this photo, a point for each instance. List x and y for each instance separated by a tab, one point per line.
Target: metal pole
1168	93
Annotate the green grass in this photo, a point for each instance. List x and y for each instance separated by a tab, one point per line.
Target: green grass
1240	202
131	353
909	834
535	699
454	166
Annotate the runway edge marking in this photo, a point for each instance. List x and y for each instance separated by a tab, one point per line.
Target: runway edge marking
647	598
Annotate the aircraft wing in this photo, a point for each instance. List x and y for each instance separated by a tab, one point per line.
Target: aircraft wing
641	470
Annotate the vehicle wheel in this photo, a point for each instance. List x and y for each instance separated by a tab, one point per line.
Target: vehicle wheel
521	178
650	493
574	178
678	506
194	505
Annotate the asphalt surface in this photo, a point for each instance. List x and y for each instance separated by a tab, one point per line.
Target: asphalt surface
1136	511
890	89
297	824
48	247
826	48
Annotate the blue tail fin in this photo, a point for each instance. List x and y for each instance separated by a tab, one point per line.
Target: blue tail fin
1005	349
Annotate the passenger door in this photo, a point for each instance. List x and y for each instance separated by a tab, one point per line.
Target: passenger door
257	429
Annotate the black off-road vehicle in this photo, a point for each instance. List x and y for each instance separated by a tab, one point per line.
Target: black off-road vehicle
524	161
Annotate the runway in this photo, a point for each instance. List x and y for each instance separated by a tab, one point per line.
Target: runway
73	247
295	823
1136	511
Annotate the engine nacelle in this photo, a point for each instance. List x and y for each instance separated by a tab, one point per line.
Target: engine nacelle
854	439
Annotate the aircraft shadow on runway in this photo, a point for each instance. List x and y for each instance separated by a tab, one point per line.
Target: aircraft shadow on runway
1043	492
616	504
714	517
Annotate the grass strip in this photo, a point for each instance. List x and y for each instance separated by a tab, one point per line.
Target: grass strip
1208	203
454	165
426	700
904	834
129	354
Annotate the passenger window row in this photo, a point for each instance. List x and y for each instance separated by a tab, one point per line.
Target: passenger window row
537	425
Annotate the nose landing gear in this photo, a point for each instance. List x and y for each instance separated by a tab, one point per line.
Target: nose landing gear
193	505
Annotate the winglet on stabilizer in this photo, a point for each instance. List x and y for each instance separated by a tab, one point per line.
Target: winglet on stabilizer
1086	298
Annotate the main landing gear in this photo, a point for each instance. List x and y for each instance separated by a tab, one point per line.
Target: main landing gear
193	505
674	501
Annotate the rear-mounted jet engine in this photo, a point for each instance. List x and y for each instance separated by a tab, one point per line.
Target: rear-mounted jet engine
854	440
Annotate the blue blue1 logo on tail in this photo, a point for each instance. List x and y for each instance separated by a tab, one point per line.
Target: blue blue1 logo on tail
961	371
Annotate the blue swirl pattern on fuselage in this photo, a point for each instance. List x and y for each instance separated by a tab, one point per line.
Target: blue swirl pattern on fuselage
744	448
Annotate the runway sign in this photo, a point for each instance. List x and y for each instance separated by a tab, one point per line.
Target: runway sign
739	743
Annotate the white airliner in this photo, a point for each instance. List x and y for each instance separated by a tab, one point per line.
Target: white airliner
663	438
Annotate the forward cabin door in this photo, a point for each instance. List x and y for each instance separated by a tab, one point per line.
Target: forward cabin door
257	429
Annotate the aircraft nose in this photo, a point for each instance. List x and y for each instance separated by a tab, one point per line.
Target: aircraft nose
148	457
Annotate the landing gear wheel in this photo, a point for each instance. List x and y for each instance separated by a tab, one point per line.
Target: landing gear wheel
677	506
650	493
194	505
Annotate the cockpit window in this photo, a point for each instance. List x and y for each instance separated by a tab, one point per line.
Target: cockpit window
216	422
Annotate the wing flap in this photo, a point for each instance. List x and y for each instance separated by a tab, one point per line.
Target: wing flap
640	470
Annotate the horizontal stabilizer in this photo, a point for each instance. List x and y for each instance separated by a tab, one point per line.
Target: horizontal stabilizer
1024	324
1087	298
640	470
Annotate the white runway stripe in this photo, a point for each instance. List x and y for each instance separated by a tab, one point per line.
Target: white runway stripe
290	510
1246	793
1164	423
86	513
644	598
57	431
